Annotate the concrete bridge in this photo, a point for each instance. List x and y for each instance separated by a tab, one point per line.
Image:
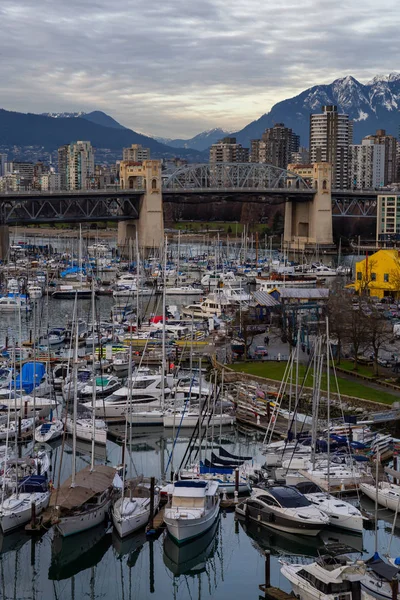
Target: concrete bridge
137	205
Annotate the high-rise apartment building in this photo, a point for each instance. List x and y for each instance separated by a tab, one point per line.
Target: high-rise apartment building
3	162
390	144
330	136
76	165
367	165
63	166
24	172
228	150
136	153
388	218
80	165
276	146
50	182
301	156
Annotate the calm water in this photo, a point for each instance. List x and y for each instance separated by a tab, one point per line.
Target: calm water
228	562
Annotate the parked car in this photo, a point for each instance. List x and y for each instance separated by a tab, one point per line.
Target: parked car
260	351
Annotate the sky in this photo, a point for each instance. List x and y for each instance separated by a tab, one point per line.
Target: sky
174	68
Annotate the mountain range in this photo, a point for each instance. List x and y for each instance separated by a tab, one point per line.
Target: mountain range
51	132
373	105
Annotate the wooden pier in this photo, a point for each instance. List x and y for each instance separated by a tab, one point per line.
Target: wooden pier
158	523
274	593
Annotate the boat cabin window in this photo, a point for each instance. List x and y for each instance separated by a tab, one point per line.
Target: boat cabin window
288	497
142	384
184	502
268	500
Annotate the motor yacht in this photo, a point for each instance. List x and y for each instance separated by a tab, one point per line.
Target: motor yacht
328	578
284	508
341	513
192	509
104	386
145	392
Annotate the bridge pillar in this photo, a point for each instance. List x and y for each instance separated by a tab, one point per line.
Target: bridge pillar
310	223
4	241
150	225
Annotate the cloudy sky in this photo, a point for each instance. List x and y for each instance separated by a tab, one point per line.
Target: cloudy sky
177	67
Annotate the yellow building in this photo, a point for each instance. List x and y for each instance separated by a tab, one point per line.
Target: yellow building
379	274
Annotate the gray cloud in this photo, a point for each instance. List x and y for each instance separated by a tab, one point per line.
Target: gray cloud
179	67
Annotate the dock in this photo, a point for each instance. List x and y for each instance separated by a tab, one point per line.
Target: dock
158	523
274	593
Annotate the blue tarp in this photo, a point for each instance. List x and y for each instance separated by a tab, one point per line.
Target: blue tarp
71	270
31	375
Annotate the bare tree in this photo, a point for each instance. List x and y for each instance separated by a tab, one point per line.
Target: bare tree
357	327
339	305
379	332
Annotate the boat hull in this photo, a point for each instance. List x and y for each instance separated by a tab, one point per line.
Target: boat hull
183	530
11	519
76	523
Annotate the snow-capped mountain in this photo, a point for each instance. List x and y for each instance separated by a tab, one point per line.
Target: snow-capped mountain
373	105
64	115
202	141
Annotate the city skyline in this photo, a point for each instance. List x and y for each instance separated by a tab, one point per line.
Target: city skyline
178	69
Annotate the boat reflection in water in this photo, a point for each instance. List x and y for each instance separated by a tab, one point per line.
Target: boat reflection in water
130	546
281	543
191	558
71	555
12	542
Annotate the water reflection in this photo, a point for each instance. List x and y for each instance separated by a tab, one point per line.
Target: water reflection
71	555
190	558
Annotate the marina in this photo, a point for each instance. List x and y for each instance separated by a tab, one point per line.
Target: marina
139	461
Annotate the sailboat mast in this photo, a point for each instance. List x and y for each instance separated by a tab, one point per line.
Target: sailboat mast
163	326
328	399
75	375
93	374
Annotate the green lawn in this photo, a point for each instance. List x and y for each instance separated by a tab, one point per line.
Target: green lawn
348	365
275	370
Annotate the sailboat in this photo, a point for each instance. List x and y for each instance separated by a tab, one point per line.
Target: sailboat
84	500
134	509
16	510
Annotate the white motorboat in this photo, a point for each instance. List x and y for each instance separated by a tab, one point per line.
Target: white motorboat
49	431
86	503
184	290
55	337
328	578
284	508
84	429
132	512
16	510
212	306
193	508
388	494
146	417
28	406
190	419
104	386
341	514
13	303
34	291
145	393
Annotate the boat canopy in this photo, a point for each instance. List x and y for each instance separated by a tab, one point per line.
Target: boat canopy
30	376
382	568
87	484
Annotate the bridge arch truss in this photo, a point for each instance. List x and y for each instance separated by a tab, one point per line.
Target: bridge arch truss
235	176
